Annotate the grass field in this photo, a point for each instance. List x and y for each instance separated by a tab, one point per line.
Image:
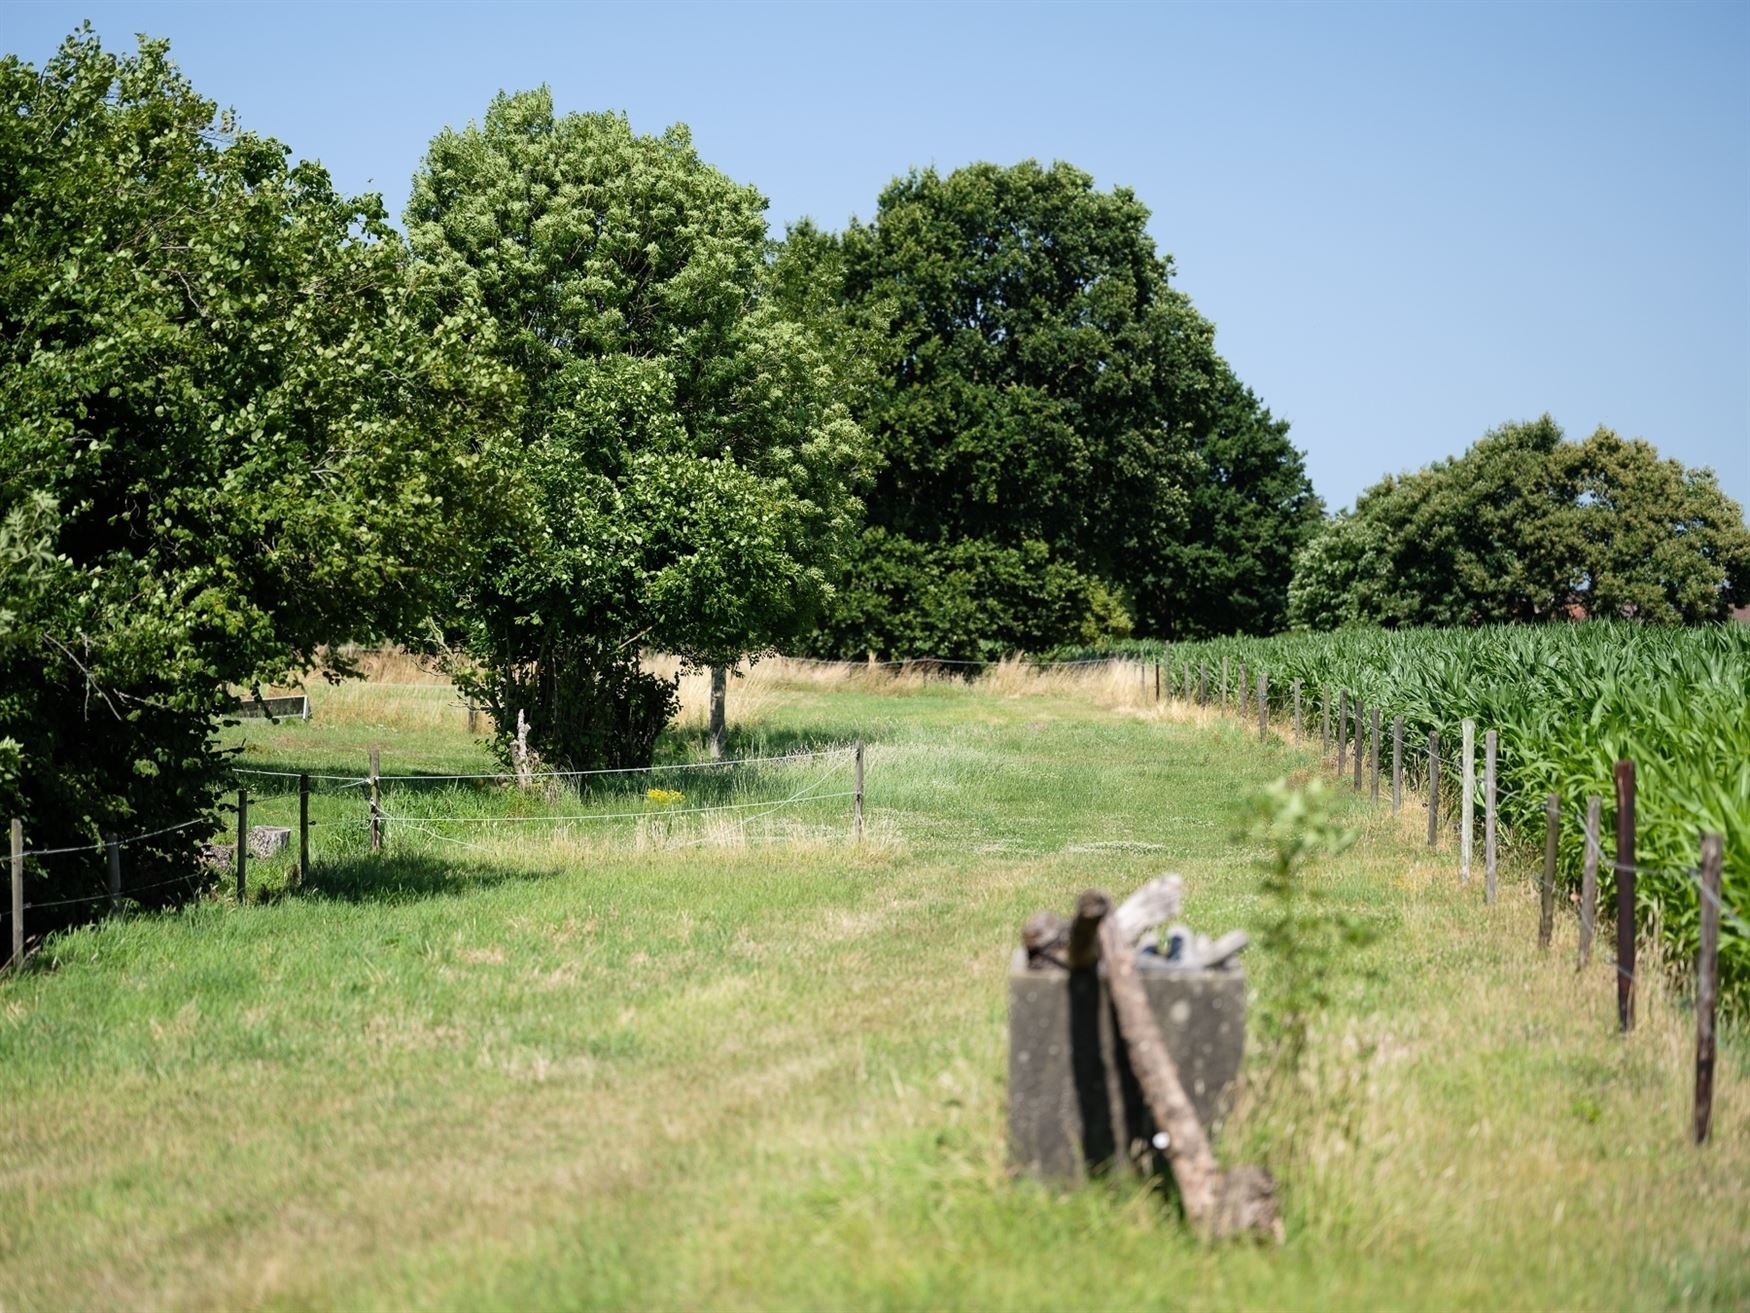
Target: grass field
688	1062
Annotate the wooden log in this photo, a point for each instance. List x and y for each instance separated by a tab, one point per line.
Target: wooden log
1707	979
1083	946
1589	881
1154	904
1546	906
1625	895
1241	1202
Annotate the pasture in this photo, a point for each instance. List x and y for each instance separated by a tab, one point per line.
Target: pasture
732	1060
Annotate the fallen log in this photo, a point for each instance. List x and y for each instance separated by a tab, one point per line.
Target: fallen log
1217	1204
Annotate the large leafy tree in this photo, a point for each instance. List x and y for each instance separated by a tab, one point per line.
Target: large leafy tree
1041	401
230	436
1527	526
686	461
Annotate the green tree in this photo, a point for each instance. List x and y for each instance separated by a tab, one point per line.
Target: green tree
1040	399
1527	526
230	439
1251	508
686	464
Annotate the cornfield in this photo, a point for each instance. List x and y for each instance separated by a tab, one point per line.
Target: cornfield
1567	702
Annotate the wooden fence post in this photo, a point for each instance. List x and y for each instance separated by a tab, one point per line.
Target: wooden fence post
1467	788
303	827
1324	723
1625	895
1157	681
1489	745
857	793
1397	764
473	717
1589	881
1433	786
1707	979
1360	738
1263	705
377	801
115	872
1373	753
242	841
17	893
1546	907
1297	711
1342	732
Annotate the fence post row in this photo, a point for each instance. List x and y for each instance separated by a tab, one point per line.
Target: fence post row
1589	881
1433	786
1397	764
1707	973
1546	907
1490	744
1625	895
1467	788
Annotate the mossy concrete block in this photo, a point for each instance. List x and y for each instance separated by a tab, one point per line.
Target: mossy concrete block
1075	1108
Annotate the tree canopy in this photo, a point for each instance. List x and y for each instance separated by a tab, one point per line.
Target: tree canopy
1527	526
231	437
1042	403
686	468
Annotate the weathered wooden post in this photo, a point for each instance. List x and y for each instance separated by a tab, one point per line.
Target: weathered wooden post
303	827
377	801
1546	907
1625	895
1707	979
242	841
17	892
1467	789
1489	745
1397	764
473	718
1342	728
1360	739
1433	786
1297	711
1157	681
1373	753
857	793
1263	705
1589	881
115	872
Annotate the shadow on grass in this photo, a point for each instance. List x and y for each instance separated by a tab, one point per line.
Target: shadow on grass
407	878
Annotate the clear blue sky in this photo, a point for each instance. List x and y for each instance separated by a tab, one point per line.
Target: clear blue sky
1409	222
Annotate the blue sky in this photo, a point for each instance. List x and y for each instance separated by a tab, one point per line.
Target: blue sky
1408	222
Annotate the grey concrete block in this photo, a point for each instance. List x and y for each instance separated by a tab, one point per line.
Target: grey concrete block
266	840
1075	1108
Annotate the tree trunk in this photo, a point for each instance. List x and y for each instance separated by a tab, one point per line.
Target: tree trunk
719	685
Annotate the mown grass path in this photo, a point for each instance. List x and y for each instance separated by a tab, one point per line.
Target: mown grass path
585	1076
